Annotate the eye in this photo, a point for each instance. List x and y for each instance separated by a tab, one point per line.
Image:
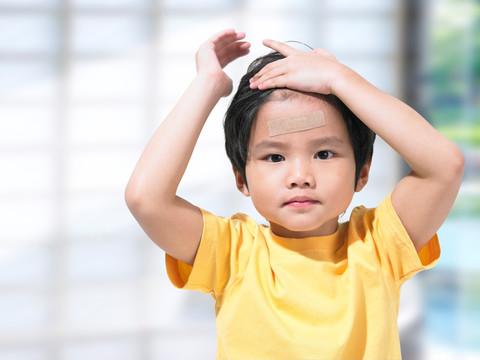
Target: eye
323	155
275	158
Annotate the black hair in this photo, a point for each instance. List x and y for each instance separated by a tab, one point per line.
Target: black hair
246	103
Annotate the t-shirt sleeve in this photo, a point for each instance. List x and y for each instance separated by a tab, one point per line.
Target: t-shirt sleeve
221	256
394	247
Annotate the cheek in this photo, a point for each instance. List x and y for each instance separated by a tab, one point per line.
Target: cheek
262	181
346	174
341	178
341	167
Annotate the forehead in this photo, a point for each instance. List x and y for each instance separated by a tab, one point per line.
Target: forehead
294	107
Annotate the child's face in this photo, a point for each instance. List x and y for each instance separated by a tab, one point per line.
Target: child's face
301	181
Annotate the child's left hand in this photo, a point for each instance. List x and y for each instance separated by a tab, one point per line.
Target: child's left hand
313	71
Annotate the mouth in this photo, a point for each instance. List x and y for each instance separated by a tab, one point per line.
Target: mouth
300	202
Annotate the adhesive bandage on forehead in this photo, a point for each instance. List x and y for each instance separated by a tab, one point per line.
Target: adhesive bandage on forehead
300	123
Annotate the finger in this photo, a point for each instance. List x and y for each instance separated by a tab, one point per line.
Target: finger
226	37
241	35
229	44
324	53
275	82
270	67
227	33
231	47
219	39
232	52
276	76
280	47
271	72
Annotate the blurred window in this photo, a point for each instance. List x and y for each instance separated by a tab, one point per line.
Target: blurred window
83	85
444	84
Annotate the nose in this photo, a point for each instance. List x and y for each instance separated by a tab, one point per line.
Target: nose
300	175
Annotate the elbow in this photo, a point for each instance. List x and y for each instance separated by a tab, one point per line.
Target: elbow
131	197
459	162
134	198
143	202
456	166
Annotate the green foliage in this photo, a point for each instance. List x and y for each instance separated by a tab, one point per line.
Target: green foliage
453	87
454	70
466	206
462	135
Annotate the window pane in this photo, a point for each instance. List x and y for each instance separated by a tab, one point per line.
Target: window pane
118	124
184	33
103	308
27	126
109	79
106	4
103	260
27	79
25	3
27	220
27	173
95	216
123	349
201	345
370	5
379	71
108	34
24	354
275	5
28	266
200	4
21	311
95	170
373	34
28	34
174	74
283	27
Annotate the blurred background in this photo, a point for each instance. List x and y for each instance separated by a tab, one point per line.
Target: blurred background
83	85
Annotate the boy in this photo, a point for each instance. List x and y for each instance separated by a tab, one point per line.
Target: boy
304	287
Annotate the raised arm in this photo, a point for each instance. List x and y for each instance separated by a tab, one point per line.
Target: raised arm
170	221
424	197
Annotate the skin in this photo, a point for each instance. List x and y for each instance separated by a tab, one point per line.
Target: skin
301	181
151	190
422	199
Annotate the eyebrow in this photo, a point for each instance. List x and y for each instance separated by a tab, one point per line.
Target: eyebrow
328	140
323	141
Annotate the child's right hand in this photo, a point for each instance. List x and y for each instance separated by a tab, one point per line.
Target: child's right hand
313	71
216	53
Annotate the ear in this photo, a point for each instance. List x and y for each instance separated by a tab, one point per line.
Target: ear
363	176
241	184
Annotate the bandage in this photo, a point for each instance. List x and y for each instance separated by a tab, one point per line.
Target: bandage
295	124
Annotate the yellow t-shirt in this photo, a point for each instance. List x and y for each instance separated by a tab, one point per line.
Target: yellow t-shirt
331	297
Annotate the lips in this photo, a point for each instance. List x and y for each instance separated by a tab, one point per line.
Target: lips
300	201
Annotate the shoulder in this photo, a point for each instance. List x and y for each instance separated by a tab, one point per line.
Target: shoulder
382	218
381	229
222	256
228	235
236	224
380	225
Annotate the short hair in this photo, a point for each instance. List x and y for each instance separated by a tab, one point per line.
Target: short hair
246	103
